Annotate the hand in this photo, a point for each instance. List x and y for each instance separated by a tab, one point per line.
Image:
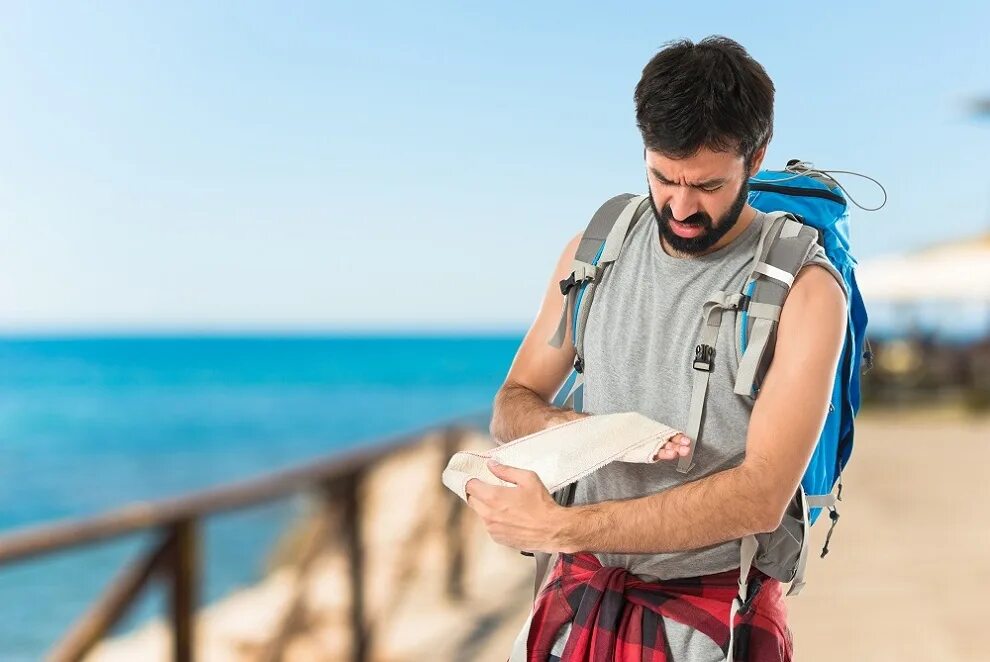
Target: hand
677	447
523	516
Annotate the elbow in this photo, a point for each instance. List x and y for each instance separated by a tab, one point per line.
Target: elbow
495	427
769	517
766	506
774	505
494	431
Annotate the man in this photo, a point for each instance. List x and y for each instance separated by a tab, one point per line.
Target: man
705	112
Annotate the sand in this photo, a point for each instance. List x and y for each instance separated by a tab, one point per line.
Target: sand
905	578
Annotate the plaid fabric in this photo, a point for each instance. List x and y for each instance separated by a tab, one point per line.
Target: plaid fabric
617	616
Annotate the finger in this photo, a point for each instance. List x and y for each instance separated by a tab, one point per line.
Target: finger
512	475
477	490
672	450
666	454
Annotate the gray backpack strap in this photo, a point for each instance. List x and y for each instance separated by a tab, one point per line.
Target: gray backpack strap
614	241
782	251
784	244
607	232
596	234
704	363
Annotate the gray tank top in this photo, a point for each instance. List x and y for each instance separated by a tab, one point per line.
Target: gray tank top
639	346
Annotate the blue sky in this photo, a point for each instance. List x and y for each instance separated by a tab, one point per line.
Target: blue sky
297	166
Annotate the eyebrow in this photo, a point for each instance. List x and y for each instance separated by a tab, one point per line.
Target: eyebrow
711	183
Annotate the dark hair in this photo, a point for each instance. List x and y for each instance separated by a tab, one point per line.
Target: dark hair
710	94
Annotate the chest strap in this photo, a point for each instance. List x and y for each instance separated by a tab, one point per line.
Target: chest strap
704	363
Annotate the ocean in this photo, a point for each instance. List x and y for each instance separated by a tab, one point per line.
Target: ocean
90	424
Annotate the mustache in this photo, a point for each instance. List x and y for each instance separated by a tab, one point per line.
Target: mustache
697	218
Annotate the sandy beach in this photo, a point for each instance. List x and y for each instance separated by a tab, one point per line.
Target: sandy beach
904	580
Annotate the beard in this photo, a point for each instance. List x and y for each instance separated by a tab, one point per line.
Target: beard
713	231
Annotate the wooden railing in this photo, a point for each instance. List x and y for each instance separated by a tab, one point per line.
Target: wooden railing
174	556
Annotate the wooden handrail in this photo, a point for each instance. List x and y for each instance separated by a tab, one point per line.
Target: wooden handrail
112	605
38	540
175	555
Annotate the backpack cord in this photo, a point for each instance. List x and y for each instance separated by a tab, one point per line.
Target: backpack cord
802	168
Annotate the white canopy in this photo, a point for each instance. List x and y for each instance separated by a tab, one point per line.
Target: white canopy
953	272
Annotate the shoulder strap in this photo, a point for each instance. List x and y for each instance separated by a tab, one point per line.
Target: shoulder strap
601	224
599	247
608	255
785	243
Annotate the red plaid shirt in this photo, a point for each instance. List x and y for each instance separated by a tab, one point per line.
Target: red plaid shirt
617	616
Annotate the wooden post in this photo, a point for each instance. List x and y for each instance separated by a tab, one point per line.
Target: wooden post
355	557
184	577
111	606
455	538
315	542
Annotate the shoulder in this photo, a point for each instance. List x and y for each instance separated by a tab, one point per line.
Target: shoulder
819	273
816	299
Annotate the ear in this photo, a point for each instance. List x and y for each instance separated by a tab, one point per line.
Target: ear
757	161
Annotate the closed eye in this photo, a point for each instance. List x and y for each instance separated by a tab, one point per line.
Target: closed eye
706	187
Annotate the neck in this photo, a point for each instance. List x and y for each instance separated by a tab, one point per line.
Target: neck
746	217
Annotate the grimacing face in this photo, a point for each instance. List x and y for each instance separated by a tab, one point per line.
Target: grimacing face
698	200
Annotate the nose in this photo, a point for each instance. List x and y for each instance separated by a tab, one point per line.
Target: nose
684	202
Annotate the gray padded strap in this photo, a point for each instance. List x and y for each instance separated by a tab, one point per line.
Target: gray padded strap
617	237
766	311
712	318
768	229
747	552
628	217
783	247
591	241
599	227
771	271
791	228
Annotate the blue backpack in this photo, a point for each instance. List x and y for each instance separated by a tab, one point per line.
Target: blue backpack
817	200
806	206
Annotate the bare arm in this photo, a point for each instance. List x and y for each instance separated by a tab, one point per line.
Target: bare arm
522	405
785	424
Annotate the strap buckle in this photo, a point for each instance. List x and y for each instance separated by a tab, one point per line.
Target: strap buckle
567	284
579	364
704	358
588	274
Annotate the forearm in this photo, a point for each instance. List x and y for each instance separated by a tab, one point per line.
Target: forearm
724	506
518	411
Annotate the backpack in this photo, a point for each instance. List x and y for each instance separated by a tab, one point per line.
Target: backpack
805	206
